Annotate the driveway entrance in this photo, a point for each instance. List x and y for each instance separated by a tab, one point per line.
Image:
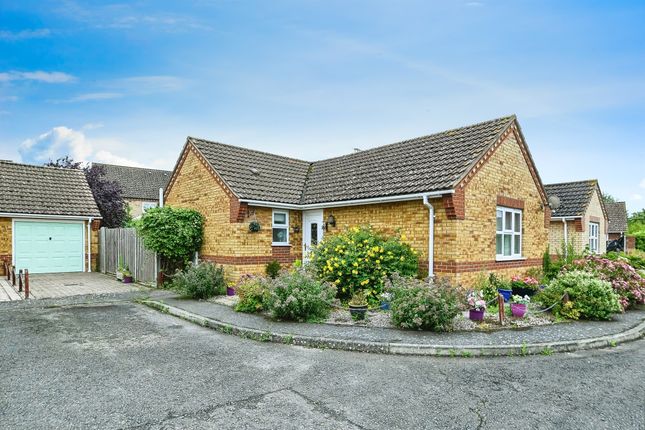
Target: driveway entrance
54	285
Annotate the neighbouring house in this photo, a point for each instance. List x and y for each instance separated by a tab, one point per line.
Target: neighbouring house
140	186
617	223
580	219
469	200
49	220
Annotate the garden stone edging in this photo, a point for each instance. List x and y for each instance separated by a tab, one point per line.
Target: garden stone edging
611	340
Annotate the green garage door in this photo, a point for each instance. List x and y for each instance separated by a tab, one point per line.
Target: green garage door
48	246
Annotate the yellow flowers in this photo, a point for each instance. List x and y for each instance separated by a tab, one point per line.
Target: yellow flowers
354	272
365	282
356	263
404	237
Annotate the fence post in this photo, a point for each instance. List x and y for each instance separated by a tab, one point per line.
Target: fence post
20	280
13	275
26	283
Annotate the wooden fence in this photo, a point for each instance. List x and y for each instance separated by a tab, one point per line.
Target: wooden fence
122	245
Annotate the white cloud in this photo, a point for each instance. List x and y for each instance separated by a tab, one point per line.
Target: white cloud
108	157
8	98
637	197
38	75
24	34
148	84
61	141
89	97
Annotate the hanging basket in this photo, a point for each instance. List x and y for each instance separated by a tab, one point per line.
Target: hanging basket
254	226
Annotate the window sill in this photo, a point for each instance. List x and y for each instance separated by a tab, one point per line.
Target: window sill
509	258
280	244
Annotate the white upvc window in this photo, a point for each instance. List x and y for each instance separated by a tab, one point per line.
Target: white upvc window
148	205
594	227
280	227
508	237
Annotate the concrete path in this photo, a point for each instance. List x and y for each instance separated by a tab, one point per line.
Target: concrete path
124	366
535	340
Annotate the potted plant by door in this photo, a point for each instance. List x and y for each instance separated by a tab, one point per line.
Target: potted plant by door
477	305
358	306
127	275
230	289
519	305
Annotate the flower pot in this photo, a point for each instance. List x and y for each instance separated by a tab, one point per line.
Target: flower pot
518	310
476	315
358	312
127	279
385	306
505	293
524	291
230	291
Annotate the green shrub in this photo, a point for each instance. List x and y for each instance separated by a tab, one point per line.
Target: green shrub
298	296
252	292
174	233
360	259
418	305
589	296
272	269
202	281
486	284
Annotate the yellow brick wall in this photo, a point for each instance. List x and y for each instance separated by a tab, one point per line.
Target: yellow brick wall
556	236
506	174
195	188
136	206
595	210
5	242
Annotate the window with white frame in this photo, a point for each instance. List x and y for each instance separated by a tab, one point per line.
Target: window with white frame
148	205
508	238
593	237
280	227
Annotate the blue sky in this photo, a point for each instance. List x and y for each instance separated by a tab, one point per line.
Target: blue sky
126	82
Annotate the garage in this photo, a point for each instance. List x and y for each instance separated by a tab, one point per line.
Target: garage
49	247
49	220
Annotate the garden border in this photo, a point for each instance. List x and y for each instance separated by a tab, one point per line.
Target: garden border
631	334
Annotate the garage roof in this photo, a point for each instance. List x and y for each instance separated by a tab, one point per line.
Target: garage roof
38	190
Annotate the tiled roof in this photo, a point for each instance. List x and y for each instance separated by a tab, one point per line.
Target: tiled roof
256	175
617	215
136	182
37	190
574	197
430	163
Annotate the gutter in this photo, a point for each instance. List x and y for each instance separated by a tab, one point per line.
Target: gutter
37	216
356	202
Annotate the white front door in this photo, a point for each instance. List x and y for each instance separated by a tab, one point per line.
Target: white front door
312	231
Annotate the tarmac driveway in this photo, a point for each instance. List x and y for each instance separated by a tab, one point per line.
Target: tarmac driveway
122	365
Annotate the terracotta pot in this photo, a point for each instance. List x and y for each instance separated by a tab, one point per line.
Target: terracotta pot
518	310
476	315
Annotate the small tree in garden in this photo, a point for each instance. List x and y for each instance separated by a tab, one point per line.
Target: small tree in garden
174	233
360	258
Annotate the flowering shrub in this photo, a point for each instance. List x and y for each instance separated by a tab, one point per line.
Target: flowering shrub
589	296
360	258
251	291
422	306
524	285
297	295
625	281
475	300
200	281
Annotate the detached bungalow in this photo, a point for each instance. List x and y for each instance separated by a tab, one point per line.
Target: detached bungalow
140	185
468	200
49	220
580	218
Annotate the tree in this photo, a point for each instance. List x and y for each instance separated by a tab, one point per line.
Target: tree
107	194
608	198
65	162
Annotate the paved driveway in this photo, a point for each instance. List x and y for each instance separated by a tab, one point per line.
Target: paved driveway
57	285
121	365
